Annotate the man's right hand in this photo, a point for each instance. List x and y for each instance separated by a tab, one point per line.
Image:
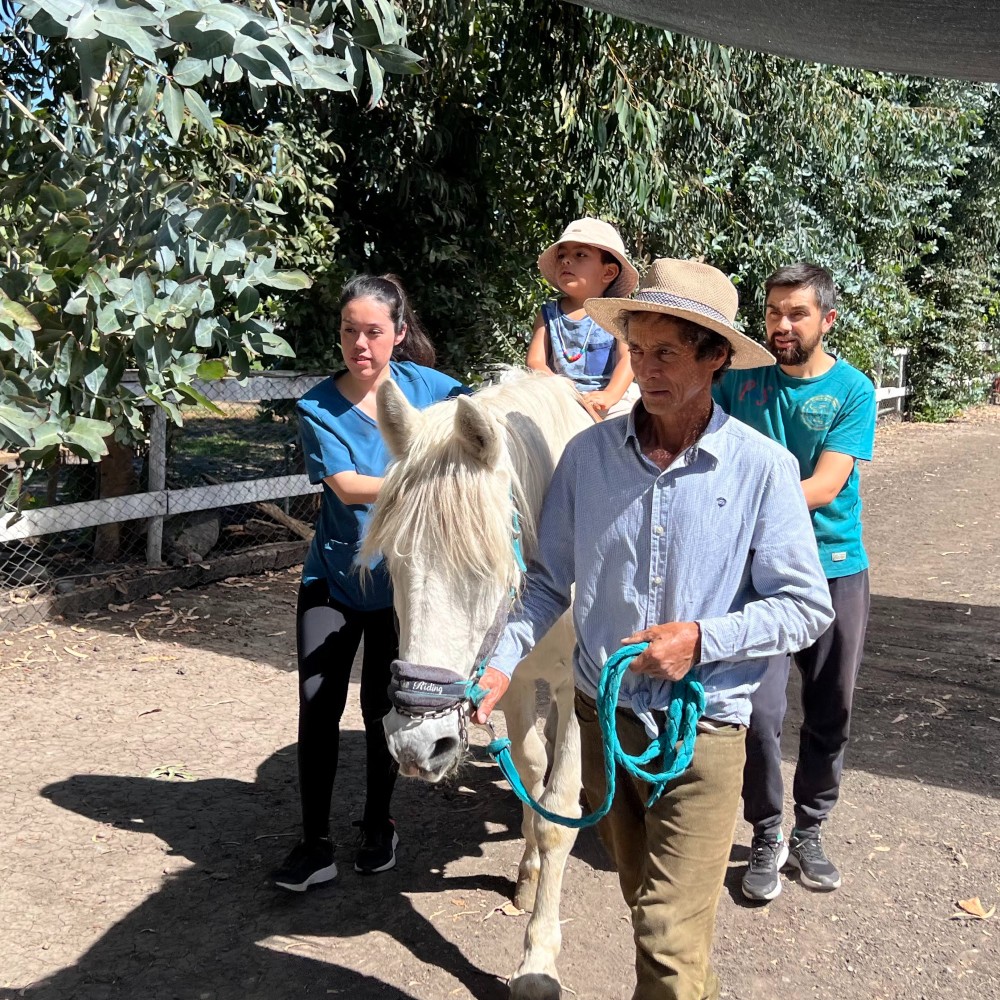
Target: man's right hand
495	684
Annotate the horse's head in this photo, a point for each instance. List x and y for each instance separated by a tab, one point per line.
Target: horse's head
445	524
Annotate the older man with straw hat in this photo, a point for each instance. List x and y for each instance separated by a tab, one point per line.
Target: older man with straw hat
684	529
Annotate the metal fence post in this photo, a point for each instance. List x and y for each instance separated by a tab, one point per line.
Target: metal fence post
157	466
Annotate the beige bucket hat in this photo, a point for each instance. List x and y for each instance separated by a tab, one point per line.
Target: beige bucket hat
594	233
689	290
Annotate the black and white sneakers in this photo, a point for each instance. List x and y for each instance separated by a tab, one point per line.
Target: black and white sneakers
767	856
376	847
816	870
310	863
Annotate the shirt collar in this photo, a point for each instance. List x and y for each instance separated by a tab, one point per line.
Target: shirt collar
710	441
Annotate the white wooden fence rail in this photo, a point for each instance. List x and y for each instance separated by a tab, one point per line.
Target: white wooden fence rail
158	502
897	392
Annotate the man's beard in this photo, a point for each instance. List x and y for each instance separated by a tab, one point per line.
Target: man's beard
794	355
800	351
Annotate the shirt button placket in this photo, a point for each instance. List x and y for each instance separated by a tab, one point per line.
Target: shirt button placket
656	557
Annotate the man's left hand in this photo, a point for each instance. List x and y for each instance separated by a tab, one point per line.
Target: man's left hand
673	650
495	684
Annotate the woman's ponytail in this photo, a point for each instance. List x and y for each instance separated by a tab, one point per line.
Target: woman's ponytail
416	345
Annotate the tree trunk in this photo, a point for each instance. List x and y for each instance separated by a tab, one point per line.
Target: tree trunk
118	479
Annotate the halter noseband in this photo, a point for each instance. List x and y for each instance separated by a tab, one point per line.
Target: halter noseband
421	692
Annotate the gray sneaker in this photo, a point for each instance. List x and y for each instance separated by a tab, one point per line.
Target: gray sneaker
767	855
816	870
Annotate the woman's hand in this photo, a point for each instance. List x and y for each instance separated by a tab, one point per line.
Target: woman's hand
673	650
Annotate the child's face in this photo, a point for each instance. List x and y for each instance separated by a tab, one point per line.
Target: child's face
580	272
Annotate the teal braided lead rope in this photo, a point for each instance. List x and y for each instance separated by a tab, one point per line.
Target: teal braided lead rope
672	750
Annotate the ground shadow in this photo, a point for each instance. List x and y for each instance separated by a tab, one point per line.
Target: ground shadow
219	930
928	696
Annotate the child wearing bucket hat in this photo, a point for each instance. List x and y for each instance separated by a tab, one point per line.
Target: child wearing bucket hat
587	261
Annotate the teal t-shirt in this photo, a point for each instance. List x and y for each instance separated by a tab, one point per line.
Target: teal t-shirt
338	437
834	411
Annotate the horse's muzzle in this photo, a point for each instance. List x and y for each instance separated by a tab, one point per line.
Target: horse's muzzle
428	748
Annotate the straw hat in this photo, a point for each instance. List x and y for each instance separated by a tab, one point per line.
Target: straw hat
688	290
594	233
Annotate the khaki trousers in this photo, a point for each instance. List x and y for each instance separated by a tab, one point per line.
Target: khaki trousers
672	858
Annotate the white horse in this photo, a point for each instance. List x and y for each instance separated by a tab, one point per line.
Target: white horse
445	523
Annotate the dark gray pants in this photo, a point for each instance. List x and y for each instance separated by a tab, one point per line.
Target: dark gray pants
829	670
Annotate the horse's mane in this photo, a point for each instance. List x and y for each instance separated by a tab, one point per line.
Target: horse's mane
442	500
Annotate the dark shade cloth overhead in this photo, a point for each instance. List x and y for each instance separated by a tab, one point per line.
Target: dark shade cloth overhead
950	38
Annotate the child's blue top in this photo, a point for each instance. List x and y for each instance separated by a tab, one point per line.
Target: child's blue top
338	437
579	348
834	411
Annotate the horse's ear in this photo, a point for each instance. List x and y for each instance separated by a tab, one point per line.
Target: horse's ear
478	432
397	419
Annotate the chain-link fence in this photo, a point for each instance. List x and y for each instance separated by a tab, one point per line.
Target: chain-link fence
208	498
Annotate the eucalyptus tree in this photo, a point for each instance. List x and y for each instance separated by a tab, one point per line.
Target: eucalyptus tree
138	228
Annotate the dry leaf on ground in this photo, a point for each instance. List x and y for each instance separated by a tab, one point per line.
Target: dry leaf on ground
508	909
973	908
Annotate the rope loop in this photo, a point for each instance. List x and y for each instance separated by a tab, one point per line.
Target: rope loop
670	753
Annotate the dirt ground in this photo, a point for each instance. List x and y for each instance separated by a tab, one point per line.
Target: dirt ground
147	785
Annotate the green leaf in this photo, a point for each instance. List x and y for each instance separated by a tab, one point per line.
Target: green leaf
76	306
377	79
199	109
147	96
204	333
85	437
107	319
190	71
268	342
52	198
290	280
172	105
397	59
211	220
247	302
208	371
18	314
280	69
24	345
17	425
191	393
301	39
320	76
130	36
142	292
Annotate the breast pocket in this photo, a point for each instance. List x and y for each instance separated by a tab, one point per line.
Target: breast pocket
600	358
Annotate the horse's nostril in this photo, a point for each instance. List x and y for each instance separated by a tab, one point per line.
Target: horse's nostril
447	746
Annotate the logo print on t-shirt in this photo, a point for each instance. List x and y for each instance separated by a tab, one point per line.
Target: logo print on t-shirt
819	411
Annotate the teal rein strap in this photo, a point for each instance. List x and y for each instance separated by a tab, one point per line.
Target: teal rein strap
670	752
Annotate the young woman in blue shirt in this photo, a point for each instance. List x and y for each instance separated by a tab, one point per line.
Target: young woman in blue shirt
381	339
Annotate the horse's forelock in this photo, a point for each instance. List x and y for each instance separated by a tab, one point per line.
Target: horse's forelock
441	502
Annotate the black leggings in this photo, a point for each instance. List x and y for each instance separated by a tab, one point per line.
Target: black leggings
328	634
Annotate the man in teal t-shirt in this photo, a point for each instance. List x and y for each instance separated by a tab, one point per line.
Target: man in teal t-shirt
823	411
